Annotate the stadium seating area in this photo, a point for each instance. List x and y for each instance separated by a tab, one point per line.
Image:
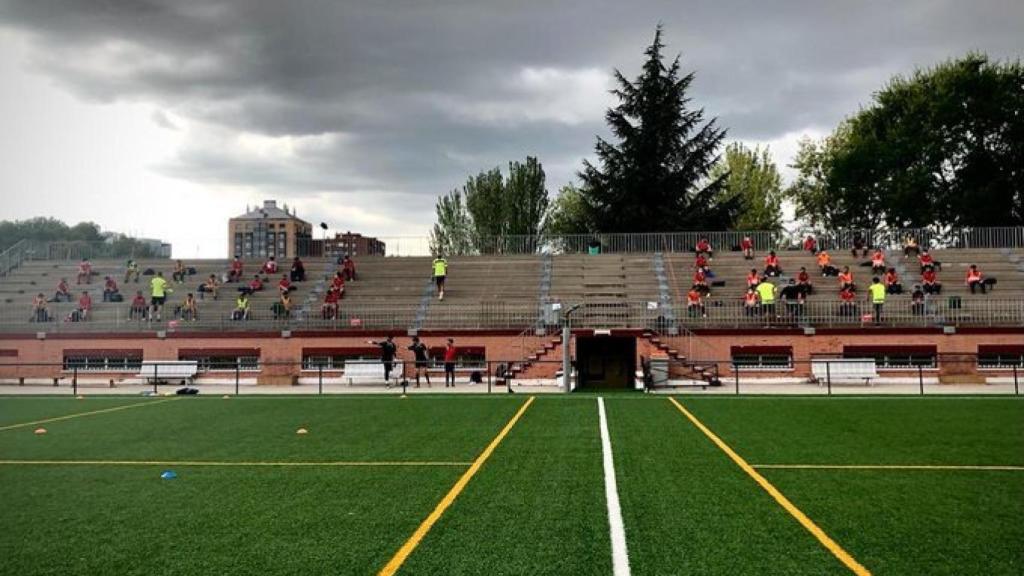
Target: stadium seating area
501	291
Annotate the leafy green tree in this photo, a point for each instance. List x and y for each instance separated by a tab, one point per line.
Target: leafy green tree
752	177
453	231
655	178
943	147
568	213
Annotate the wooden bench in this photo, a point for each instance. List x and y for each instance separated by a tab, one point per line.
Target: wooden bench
368	372
844	370
168	370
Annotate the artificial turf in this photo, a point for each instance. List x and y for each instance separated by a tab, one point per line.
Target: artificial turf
538	504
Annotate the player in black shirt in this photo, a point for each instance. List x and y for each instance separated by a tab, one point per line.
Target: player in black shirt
387	356
419	349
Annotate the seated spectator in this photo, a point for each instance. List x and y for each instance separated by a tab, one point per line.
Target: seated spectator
793	296
930	282
329	310
928	262
84	272
63	293
298	272
803	281
131	272
751	303
241	311
270	266
825	264
700	262
859	244
917	300
255	285
753	278
236	271
910	247
282	309
976	280
338	284
139	308
695	302
285	286
211	286
878	262
189	308
704	247
847	303
700	282
810	244
771	265
747	246
846	280
39	311
892	282
110	290
179	274
84	308
348	266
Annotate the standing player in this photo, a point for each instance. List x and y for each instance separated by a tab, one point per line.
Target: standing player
449	363
387	356
158	292
440	267
419	350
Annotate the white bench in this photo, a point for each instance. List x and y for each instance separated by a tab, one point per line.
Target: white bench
168	370
844	370
368	371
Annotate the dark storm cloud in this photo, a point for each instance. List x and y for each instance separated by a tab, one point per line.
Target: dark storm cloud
415	95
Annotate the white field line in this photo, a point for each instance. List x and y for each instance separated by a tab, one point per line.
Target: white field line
620	558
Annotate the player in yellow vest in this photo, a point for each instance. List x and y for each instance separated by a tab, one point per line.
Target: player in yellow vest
766	292
877	294
158	292
440	267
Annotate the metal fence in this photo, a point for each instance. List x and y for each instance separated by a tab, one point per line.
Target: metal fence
934	312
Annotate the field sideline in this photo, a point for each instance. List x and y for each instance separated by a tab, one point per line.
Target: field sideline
512	485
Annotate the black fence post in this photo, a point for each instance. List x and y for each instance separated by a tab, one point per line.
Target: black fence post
736	369
1016	390
920	378
488	376
236	377
156	375
320	379
828	376
74	381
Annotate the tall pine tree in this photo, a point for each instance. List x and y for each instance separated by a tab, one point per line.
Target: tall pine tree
656	179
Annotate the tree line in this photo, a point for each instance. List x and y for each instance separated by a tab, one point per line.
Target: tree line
943	147
42	230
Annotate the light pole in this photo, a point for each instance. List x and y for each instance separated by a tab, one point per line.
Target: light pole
566	339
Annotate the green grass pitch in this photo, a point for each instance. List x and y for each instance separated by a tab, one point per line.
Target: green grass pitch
252	496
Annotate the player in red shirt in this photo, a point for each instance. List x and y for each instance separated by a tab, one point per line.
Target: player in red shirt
930	282
810	244
753	278
803	281
285	286
236	271
771	265
329	310
348	268
878	262
704	247
449	363
892	282
747	246
695	303
270	266
84	272
975	279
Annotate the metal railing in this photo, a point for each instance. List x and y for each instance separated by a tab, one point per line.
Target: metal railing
934	312
12	257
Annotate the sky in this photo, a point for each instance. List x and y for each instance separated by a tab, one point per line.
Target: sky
164	118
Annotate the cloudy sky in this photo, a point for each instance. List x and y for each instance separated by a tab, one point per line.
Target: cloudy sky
163	118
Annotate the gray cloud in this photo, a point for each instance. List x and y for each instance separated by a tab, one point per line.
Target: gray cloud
408	97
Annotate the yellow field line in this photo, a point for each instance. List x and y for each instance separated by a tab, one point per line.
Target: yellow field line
208	463
885	467
80	414
779	497
399	558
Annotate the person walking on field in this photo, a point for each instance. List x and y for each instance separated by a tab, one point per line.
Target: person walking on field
387	356
449	363
440	268
419	350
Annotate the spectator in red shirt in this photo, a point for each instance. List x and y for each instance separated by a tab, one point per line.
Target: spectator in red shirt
84	272
338	283
747	246
138	308
930	282
700	280
810	244
270	266
753	278
236	271
84	306
878	262
704	247
63	293
285	285
449	363
348	267
695	302
771	265
974	279
255	285
927	261
329	310
892	282
109	289
803	282
700	262
298	272
847	303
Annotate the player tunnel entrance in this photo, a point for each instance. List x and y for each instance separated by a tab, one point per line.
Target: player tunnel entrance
604	362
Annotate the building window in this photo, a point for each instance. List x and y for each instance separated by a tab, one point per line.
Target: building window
895	357
762	357
315	359
213	360
103	361
996	357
